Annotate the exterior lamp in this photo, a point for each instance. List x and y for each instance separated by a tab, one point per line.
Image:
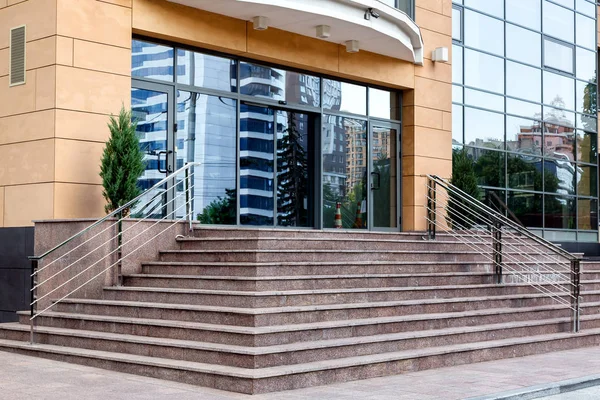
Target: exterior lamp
260	23
352	46
440	55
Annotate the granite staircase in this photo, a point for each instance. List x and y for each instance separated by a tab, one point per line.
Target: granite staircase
256	311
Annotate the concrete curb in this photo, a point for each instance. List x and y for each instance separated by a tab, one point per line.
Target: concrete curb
545	389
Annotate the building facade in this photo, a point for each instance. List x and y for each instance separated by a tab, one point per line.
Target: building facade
293	107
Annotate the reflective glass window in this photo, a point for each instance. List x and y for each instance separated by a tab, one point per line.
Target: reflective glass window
457	125
523	82
587	214
207	130
566	3
585	34
524	12
152	61
558	22
344	169
484	71
457	94
456	24
559	91
523	108
197	69
524	172
586	97
484	129
587	180
523	136
344	97
384	104
587	122
559	117
587	145
279	84
585	64
586	7
527	207
488	166
483	32
405	5
559	176
559	142
493	7
559	212
457	64
484	100
558	55
523	45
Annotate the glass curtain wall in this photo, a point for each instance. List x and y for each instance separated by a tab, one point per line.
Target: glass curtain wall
277	147
525	108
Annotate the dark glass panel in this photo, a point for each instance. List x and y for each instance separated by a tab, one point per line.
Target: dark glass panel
523	45
586	64
559	117
483	71
456	24
587	147
586	98
587	122
524	172
203	70
206	133
344	146
587	214
527	207
559	142
559	212
558	55
559	177
559	91
488	165
587	181
523	136
483	32
484	129
523	108
457	64
257	192
152	61
457	125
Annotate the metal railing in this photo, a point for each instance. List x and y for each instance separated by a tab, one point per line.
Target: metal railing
170	200
509	246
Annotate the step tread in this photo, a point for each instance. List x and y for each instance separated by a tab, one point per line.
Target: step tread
337	251
290	347
330	239
268	372
327	263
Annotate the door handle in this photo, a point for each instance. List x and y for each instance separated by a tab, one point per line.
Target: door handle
168	168
373	185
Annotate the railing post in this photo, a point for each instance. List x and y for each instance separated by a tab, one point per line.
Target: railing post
119	248
575	291
188	196
33	298
497	249
431	208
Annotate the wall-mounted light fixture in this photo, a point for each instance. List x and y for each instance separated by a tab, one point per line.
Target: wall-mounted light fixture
371	13
352	46
323	31
260	23
440	54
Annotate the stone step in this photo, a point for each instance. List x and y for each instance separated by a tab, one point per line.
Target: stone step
333	255
310	268
280	355
262	380
288	315
311	282
228	298
284	334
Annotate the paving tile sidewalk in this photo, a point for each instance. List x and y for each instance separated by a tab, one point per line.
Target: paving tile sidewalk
29	377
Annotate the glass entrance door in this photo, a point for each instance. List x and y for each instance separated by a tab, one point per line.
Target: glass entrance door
384	159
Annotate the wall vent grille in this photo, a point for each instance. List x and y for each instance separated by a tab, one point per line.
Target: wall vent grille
17	56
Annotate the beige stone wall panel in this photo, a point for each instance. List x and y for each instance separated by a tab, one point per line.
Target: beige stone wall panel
78	201
82	126
91	91
45	88
41	53
64	50
428	118
38	15
433	143
436	71
78	161
165	20
27	127
122	3
25	203
432	5
27	162
95	21
433	94
1	207
101	57
433	21
432	40
376	69
18	99
3	3
3	62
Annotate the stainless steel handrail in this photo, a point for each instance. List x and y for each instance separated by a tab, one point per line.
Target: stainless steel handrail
465	212
188	172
